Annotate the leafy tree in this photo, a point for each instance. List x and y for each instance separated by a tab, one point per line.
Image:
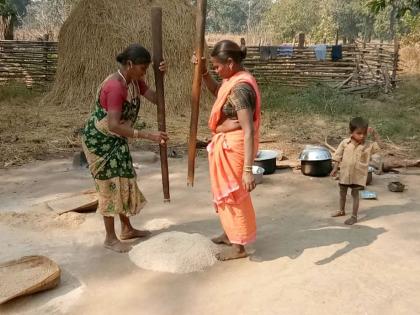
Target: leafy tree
235	16
289	17
45	17
400	6
9	11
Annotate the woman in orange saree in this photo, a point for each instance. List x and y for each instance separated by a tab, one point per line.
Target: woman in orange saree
234	122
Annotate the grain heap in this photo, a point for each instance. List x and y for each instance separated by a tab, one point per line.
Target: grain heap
175	252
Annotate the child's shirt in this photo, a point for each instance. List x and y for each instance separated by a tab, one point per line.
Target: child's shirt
354	160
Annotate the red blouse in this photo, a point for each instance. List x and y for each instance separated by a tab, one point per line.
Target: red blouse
114	94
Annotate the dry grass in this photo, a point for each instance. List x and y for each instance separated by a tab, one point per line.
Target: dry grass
291	119
410	57
32	130
29	130
97	30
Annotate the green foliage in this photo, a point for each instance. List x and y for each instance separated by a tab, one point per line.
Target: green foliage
287	18
316	99
396	117
13	7
235	16
401	6
321	19
14	91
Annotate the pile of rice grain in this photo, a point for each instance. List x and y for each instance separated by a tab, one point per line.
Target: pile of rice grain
175	252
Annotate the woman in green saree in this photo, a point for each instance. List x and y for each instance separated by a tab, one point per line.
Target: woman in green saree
105	143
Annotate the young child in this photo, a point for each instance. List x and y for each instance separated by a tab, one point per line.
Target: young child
352	157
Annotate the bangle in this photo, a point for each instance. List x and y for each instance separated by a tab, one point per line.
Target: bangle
248	169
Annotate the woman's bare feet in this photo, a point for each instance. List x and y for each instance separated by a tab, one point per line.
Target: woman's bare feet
133	233
222	239
117	246
234	252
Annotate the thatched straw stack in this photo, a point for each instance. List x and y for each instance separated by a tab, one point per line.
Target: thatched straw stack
97	30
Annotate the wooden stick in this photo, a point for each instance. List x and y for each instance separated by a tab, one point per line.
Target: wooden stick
157	59
329	146
196	88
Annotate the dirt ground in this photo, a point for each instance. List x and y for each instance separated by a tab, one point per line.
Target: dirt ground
304	262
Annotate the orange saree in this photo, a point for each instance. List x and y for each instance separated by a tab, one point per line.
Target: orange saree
226	161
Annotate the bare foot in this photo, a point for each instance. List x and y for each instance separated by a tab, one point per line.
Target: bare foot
231	253
339	213
130	234
117	246
222	239
352	220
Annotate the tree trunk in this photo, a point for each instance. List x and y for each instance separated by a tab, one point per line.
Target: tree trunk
393	21
7	27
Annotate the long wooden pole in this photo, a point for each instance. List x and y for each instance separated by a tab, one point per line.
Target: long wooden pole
196	88
157	59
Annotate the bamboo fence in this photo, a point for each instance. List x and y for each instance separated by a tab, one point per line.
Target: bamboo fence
30	62
364	66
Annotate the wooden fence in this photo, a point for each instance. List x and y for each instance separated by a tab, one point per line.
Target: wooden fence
30	62
362	67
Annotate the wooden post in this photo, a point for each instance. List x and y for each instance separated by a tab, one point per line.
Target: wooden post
380	52
301	40
157	59
46	52
196	88
395	63
336	38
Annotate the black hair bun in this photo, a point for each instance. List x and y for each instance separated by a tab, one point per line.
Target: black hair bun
121	58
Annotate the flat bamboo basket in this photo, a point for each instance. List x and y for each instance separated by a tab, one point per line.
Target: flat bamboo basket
27	275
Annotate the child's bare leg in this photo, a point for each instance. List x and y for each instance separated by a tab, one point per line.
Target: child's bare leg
343	196
128	232
353	219
234	252
111	240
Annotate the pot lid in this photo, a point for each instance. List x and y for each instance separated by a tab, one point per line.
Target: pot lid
263	155
315	153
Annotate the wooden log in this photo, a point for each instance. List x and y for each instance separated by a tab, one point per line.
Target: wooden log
196	88
157	59
301	40
339	86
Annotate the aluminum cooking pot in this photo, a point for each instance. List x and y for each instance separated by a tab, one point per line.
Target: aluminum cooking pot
315	153
267	160
315	161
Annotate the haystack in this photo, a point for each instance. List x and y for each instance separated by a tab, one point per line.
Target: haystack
97	30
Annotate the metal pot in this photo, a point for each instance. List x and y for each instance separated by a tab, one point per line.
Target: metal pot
369	176
267	160
258	173
315	161
316	168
